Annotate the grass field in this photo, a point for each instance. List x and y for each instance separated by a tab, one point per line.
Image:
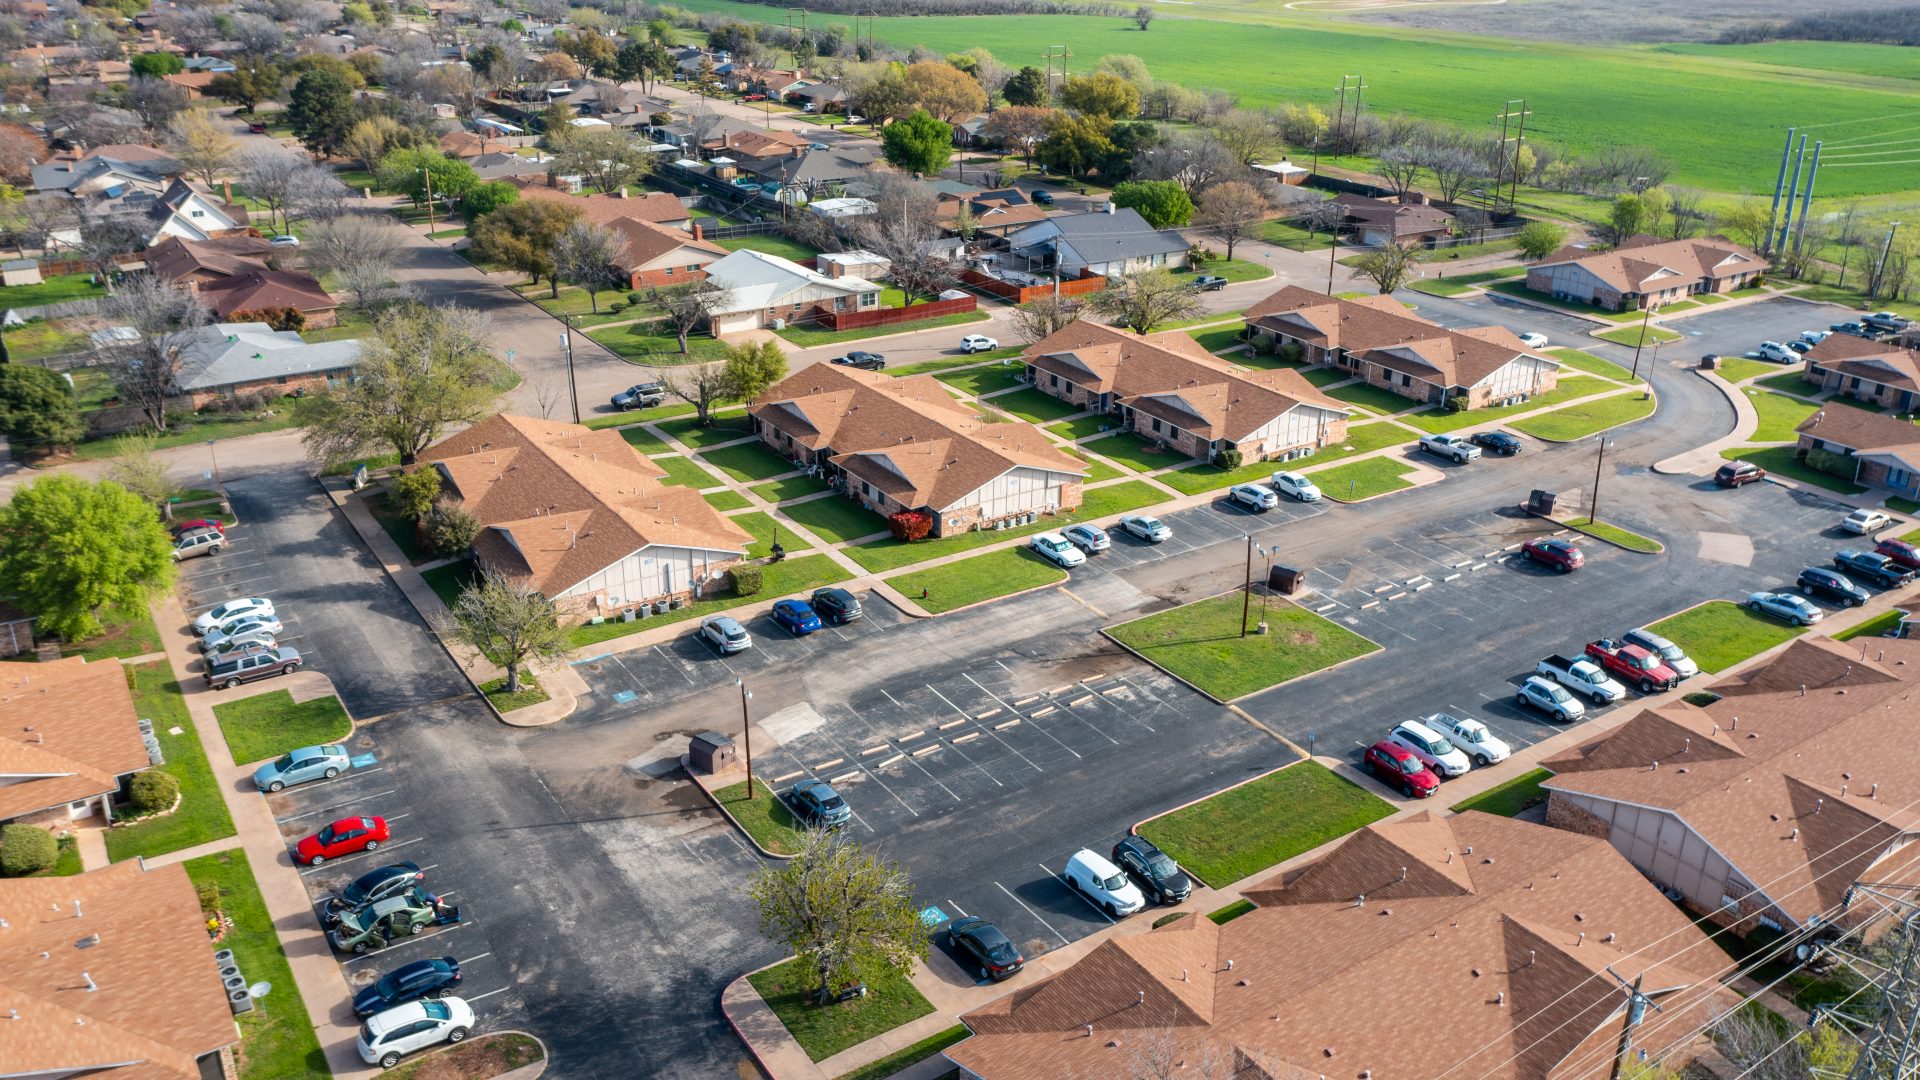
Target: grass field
725	428
1202	643
726	500
982	577
1509	798
1440	420
1364	479
1134	452
1239	832
277	1041
685	472
1587	418
1374	399
1033	406
1591	364
748	462
836	520
203	813
1781	461
823	1031
793	487
766	532
765	817
258	728
1209	477
1720	633
1779	414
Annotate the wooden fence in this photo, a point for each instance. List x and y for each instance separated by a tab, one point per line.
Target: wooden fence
1017	294
858	320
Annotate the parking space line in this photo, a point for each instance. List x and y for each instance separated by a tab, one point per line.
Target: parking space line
357	855
676	662
1042	728
471	959
996	738
422	936
1064	940
354	775
335	806
958	908
1076	892
488	994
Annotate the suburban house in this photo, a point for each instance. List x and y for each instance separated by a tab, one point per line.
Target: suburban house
505	165
583	517
1885	450
757	145
767	291
1377	339
1112	242
72	741
655	255
228	360
1409	221
655	206
191	214
110	974
994	213
824	97
468	145
16	630
203	262
1885	374
1167	388
1521	929
895	444
1643	271
813	171
263	289
1769	806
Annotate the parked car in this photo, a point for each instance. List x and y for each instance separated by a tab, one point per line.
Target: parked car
1674	657
1562	555
1583	677
1208	283
1859	330
1863	522
982	942
1872	566
1550	698
1293	485
1146	527
1633	665
257	128
348	836
231	610
836	605
181	528
1088	538
725	634
1903	552
1253	496
432	978
379	923
797	617
388	1036
285	240
1533	340
1159	876
1777	352
870	361
254	639
1471	736
1737	473
1453	447
1799	347
1432	748
1043	198
302	765
1497	442
374	885
1057	550
1825	584
240	629
1103	883
1815	337
818	805
1886	321
974	343
229	670
1395	766
640	396
1786	607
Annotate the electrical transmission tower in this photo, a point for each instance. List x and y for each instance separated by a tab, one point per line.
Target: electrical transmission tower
1892	1043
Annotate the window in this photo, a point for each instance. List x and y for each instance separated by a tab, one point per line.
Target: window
669	271
1053	381
1156	425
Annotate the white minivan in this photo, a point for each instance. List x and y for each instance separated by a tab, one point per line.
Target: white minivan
1094	877
1432	748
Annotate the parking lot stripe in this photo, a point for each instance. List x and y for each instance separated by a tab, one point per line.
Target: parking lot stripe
675	661
335	806
1023	904
958	908
1042	728
1010	747
784	777
488	994
422	936
1076	892
471	959
358	855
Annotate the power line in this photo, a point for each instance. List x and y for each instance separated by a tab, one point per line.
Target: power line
1864	164
1862	120
1875	135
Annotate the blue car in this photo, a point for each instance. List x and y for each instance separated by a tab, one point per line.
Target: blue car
797	616
302	765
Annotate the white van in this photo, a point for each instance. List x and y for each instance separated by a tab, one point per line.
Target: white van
1103	883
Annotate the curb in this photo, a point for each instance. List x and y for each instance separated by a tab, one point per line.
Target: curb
686	763
1594	536
1143	658
520	1073
747	987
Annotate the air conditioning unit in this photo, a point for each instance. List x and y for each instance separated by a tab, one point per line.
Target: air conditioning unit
779	324
239	997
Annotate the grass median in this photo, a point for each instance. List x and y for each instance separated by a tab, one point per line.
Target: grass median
1510	798
1633	336
889	554
1779	414
1587	418
1202	643
1205	476
1243	830
765	816
202	815
1591	364
1364	479
1782	461
825	1030
263	727
784	578
1614	534
1720	633
980	578
1438	421
277	1039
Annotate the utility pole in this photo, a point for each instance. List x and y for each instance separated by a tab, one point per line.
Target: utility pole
1519	116
1806	196
1246	595
1642	343
1340	113
1779	185
566	343
1886	252
1793	188
1891	1046
1637	1003
1359	87
746	731
1333	248
1593	504
428	177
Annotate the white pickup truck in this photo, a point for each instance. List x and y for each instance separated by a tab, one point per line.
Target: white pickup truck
1583	677
1450	446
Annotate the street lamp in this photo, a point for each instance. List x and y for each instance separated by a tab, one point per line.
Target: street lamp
1593	504
1266	553
1246	599
746	731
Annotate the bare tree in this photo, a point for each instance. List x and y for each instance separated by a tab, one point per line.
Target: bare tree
1690	217
164	319
1388	267
1146	299
1037	319
701	124
200	143
316	194
1454	169
688	307
1399	166
549	393
1143	16
1322	216
1195	160
104	239
1230	212
269	175
903	230
1247	135
702	386
155	101
584	255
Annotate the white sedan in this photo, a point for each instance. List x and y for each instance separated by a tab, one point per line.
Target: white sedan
1146	527
1294	486
285	241
1864	522
1057	550
231	610
974	343
1533	340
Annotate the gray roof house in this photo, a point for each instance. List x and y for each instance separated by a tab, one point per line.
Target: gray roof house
814	169
232	356
1111	242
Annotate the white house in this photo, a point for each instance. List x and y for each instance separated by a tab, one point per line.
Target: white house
1114	242
761	290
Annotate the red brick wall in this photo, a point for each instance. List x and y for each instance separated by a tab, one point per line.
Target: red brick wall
647	279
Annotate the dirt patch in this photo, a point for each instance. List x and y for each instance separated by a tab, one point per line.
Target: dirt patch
481	1058
1302	637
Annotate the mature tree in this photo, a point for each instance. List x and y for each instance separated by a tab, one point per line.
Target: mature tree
1747	223
702	386
271	174
1193	159
20	150
339	65
903	230
254	79
1626	217
595	50
1388	267
1075	145
991	74
369	140
320	111
487	197
1655	204
413	170
882	94
584	255
37	408
104	239
137	466
317	195
1303	125
1129	67
1101	94
157	64
1162	202
847	916
1143	16
688	307
421	371
1455	169
1145	299
607	158
70	548
522	235
1230	212
751	367
200	143
554	67
1687	214
1028	86
1036	319
165	319
919	144
945	91
1539	239
155	101
508	622
1018	127
360	252
1399	166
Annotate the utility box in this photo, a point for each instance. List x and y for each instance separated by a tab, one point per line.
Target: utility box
1285	580
1541	502
1710	362
711	751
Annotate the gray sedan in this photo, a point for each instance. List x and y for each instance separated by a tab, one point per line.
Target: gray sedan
302	765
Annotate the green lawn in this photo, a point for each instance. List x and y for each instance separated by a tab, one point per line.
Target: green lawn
748	462
640	343
1631	336
449	581
1591	364
199	430
530	692
40	339
1220	338
1779	414
129	632
985	380
972	580
1510	798
1033	406
765	817
1202	643
203	812
1878	626
1376	399
1519	289
683	471
889	554
54	289
1781	461
765	532
793	487
727	500
1460	284
1587	418
1324	377
823	1031
277	1040
1206	476
1239	832
1790	382
1234	270
1626	538
645	441
1134	452
835	519
400	528
948	363
263	727
804	338
1287	234
1364	479
728	427
899	1060
771	245
1439	420
1738	368
1096	470
623	419
785	578
1720	633
1084	427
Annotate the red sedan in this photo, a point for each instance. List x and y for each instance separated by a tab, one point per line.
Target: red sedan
1396	767
1901	551
181	528
343	837
1558	554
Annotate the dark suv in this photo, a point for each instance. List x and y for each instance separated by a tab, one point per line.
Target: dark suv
1818	581
372	887
818	805
1159	876
836	605
246	665
871	361
1208	282
409	982
640	396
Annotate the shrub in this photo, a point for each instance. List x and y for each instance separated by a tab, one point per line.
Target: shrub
414	491
26	849
1229	458
1292	352
1457	403
616	308
909	525
209	896
635	299
660	119
449	530
746	580
1173	918
1831	463
154	789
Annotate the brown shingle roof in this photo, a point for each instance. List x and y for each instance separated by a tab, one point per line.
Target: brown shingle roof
654	206
257	289
68	730
1514	938
156	1002
759	144
1406	219
1379	330
1860	430
1628	267
176	257
646	242
1874	361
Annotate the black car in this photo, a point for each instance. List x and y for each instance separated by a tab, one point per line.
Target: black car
1854	328
871	361
374	886
1043	198
409	982
1497	442
1821	582
640	396
1872	566
836	605
1208	282
1798	346
1159	876
985	945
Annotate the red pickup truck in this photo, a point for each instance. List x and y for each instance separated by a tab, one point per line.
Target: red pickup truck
1633	665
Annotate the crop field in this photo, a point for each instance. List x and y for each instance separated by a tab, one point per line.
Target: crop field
1720	121
1876	61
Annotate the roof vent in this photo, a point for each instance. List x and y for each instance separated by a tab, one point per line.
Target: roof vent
1476	973
1817	804
87	942
1608	940
1530	955
1500	998
1795	835
1089	1028
1142	999
1403	875
1581	940
1360	901
1229	965
76	909
1579	917
91	985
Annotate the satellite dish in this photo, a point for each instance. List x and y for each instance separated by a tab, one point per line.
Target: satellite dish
259	990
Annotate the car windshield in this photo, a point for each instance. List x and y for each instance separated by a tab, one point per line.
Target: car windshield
1670	652
1160	866
1442	747
1002	952
284	763
1115	883
327	835
1556	693
1644	663
1410	765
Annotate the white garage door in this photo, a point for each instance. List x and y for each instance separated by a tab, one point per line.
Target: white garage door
729	324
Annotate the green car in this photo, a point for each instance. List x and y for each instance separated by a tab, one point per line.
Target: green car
377	925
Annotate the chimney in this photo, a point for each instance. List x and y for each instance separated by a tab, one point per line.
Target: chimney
76	909
623	191
1111	209
226	187
697	230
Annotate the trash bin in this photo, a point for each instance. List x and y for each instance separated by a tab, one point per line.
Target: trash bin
710	751
1285	580
1710	362
1541	502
